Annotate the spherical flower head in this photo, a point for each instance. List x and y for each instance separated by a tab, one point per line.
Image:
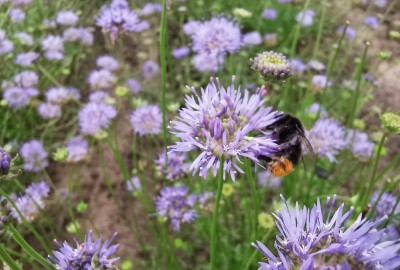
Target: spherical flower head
149	69
270	14
391	121
146	120
53	47
267	180
217	36
319	82
266	221
88	255
67	17
17	97
372	21
62	95
5	161
49	111
26	59
151	8
176	167
77	148
191	27
16	15
181	52
350	32
298	65
98	97
134	86
81	34
252	39
316	109
133	184
272	65
26	79
385	206
107	62
327	138
242	13
94	117
34	155
361	145
205	62
306	17
218	121
176	204
6	45
101	79
227	190
25	38
316	65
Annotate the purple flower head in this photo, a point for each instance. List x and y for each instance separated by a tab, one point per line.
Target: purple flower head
360	143
52	24
25	38
34	155
49	110
94	117
204	62
270	14
271	40
18	97
217	36
88	255
176	204
118	17
101	79
6	45
62	95
252	39
181	52
107	62
385	205
150	8
298	65
272	65
284	1
316	65
372	21
377	3
5	161
320	81
83	35
26	59
20	3
371	79
26	79
67	17
267	180
53	47
175	168
350	32
146	120
318	238
98	97
315	108
16	15
191	27
218	121
134	86
77	148
133	184
327	138
306	17
149	69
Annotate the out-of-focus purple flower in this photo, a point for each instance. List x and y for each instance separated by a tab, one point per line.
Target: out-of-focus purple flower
372	21
267	180
94	117
298	65
377	3
360	144
252	39
62	95
306	17
385	205
315	108
176	204
320	81
175	168
107	62
350	32
149	69
20	3
88	255
284	1
5	161
190	28
52	24
146	120
316	65
67	17
270	14
218	36
150	8
34	155
101	79
6	45
271	40
83	35
16	15
327	138
319	238
218	122
368	77
26	79
77	148
98	96
208	62
181	52
18	97
117	18
134	86
26	59
25	38
49	110
133	184
53	47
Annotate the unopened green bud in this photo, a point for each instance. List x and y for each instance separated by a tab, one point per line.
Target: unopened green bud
391	121
60	154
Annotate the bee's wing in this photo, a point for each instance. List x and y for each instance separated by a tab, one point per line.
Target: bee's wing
306	143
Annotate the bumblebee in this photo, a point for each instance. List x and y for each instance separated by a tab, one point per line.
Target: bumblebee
288	133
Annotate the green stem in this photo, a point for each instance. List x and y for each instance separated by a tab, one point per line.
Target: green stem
48	75
254	193
214	224
6	258
320	29
297	30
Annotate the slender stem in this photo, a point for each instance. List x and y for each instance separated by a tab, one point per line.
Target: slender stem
214	224
320	29
256	204
297	30
6	258
48	75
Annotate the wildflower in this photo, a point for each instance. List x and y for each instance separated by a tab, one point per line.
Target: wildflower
18	97
208	62
284	1
360	144
270	40
272	65
34	155
150	8
26	79
81	34
146	120
327	137
217	36
67	17
377	3
350	32
25	38
16	15
88	255
242	13
175	204
391	121
219	122
134	86
77	148
190	28
319	82
149	69
21	3
270	14
175	168
227	190
266	221
316	108
317	238
49	111
121	91
26	59
6	46
102	79
98	97
181	52
386	204
298	65
107	62
372	21
50	23
5	161
94	117
306	17
62	95
53	47
267	180
133	184
252	39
